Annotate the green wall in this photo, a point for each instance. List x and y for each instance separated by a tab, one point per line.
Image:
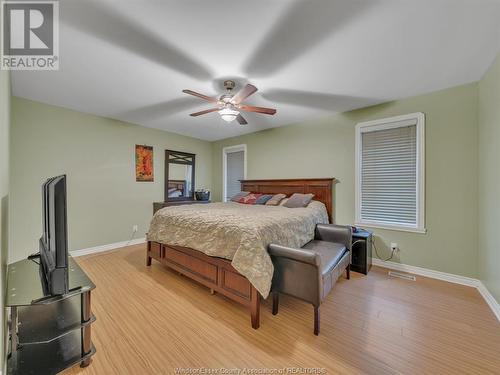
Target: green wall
4	197
489	179
325	148
97	154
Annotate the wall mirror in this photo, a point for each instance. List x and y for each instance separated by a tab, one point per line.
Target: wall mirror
179	175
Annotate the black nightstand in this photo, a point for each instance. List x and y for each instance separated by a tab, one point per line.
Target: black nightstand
362	251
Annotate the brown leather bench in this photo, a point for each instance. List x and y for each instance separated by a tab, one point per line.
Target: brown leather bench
309	273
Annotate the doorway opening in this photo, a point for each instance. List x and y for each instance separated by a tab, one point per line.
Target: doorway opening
234	169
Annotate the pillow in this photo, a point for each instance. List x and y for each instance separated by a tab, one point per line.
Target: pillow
298	200
240	195
250	199
263	199
275	200
282	203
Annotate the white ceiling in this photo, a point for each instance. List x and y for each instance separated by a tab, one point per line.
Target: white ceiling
130	60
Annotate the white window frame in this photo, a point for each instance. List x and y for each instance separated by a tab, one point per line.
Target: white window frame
228	150
391	123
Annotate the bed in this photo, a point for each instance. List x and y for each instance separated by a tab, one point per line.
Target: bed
224	245
176	188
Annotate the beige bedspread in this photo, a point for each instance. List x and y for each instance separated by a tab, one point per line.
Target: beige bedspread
238	232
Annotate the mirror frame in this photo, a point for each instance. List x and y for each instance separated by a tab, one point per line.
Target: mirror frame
167	162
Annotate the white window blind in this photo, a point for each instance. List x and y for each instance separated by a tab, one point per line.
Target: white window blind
389	175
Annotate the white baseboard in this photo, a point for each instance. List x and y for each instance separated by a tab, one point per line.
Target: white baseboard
456	279
490	300
449	277
101	248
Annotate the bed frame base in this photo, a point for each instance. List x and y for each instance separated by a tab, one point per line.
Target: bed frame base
215	273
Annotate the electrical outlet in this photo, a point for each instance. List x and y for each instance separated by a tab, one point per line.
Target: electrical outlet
394	247
135	228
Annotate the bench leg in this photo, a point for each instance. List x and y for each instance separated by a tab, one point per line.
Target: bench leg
276	301
348	272
316	320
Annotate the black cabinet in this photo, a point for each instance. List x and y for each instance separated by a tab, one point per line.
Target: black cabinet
362	251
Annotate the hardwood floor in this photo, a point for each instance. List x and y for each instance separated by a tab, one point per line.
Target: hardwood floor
370	325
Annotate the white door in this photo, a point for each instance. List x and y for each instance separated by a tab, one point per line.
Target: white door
234	170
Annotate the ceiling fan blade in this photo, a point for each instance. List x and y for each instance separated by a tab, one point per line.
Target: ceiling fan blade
244	93
251	108
197	94
204	112
241	120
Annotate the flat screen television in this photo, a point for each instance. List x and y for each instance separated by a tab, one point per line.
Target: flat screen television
54	241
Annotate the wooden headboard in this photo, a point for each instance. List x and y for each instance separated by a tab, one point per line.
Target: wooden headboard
322	188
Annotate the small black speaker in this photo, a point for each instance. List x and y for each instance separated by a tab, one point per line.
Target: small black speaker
361	259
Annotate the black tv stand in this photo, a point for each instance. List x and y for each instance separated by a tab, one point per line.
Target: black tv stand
47	333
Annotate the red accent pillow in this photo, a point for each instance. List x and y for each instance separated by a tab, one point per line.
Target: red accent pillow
250	198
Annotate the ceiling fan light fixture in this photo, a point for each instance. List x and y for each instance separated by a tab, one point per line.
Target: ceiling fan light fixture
228	114
230	105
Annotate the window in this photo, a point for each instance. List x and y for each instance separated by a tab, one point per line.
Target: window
390	173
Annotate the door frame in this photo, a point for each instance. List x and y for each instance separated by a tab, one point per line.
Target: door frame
229	150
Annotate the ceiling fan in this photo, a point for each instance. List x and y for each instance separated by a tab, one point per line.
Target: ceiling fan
229	105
